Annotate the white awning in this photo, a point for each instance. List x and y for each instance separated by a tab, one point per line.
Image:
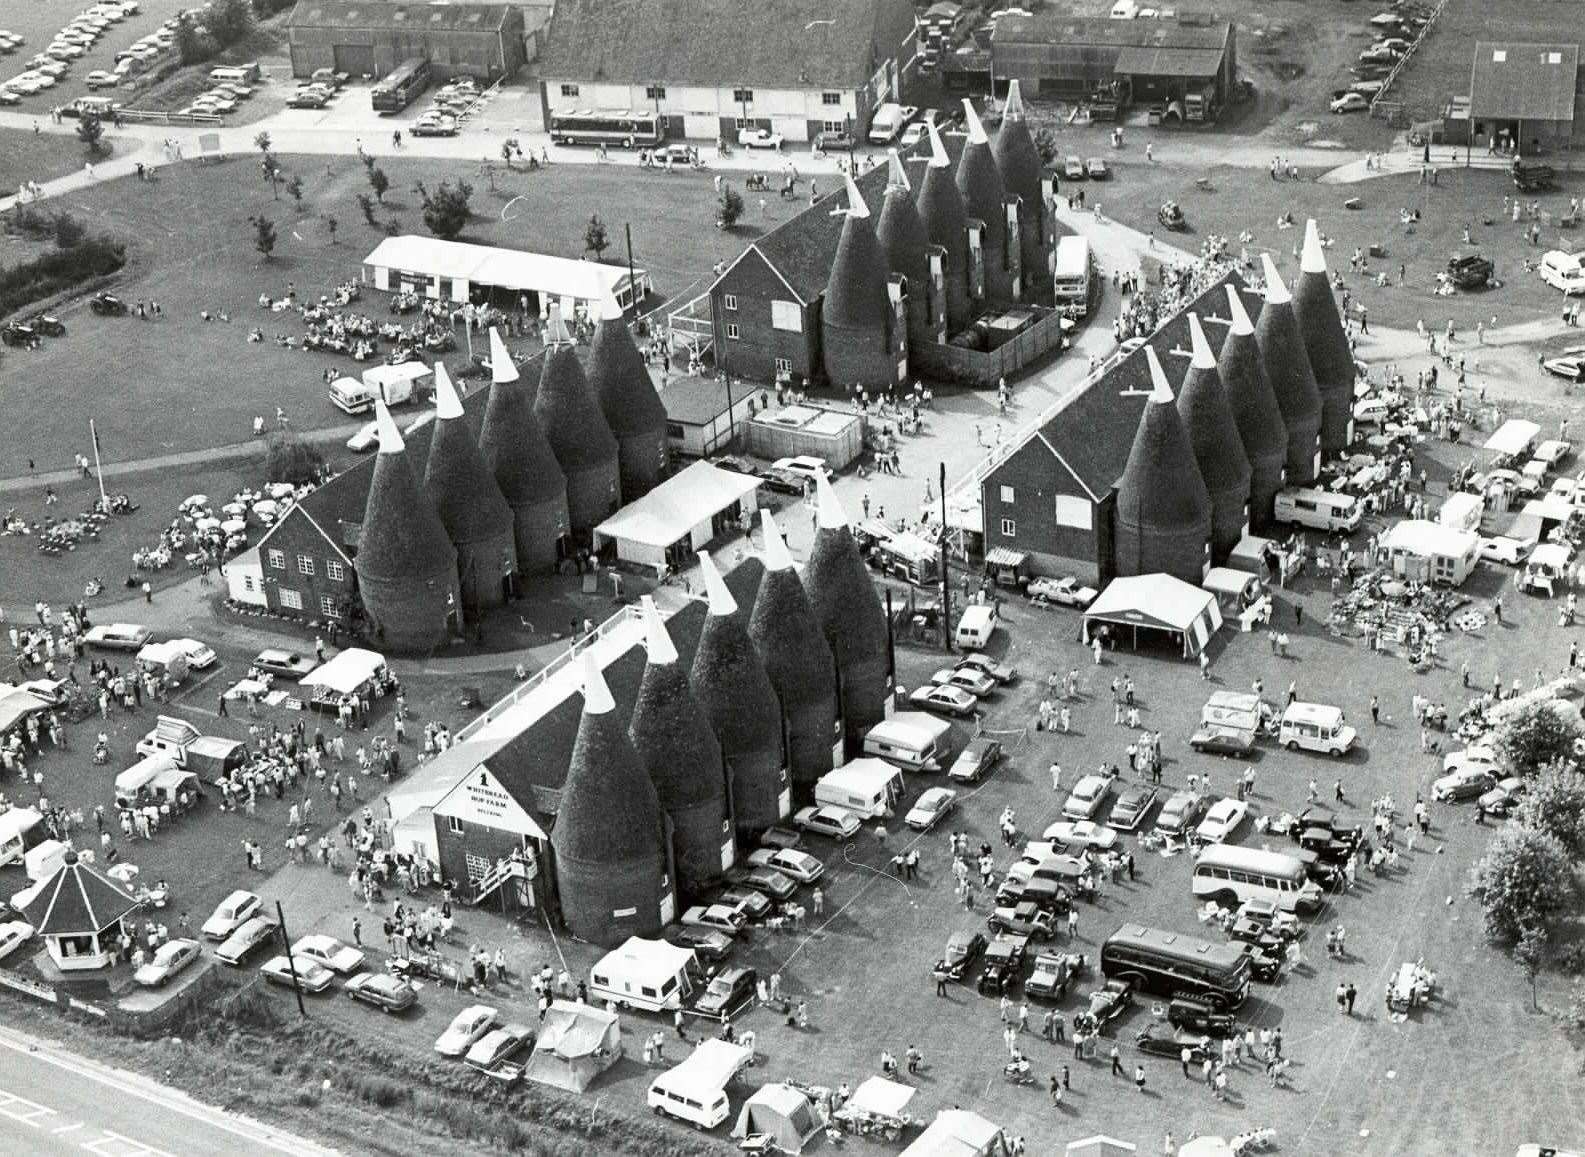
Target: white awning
1158	602
346	672
1513	437
882	1097
682	502
509	269
713	1063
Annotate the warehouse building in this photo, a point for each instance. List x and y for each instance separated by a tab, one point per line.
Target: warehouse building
1529	95
369	38
708	68
1188	65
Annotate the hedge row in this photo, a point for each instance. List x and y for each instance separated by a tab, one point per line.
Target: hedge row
58	270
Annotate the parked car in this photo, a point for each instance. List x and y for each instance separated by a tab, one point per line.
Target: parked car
764	880
1072	834
434	126
1505	796
1064	592
231	914
985	665
1350	102
831	141
287	664
968	679
801	866
943	700
168	959
1222	820
731	989
1095	169
1214	740
754	904
716	916
1108	1002
1024	918
1132	806
1073	168
709	944
14	934
1170	215
1053	972
780	836
963	949
118	637
498	1045
466	1027
1180	813
199	656
1087	797
107	305
252	932
805	465
976	759
834	822
99	78
342	959
930	808
311	977
1156	1043
1466	782
759	139
1004	959
1505	550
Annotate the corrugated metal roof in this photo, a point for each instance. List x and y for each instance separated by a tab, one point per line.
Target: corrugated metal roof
1074	31
379	14
1533	82
1169	60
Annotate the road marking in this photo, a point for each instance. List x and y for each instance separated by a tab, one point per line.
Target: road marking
133	1148
67	1128
32	1109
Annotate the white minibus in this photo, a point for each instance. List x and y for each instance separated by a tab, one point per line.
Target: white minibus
1318	509
1230	875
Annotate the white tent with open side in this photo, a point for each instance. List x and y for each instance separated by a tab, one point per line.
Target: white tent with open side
1513	438
959	1133
348	673
780	1114
576	1043
1157	602
679	517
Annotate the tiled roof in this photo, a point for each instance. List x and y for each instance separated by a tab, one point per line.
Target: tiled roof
1533	82
77	901
1061	28
416	18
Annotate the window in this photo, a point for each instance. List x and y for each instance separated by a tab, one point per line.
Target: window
743	95
834	126
249	583
784	365
731	331
454	826
729	300
785	315
291	599
656	92
1007	494
305	565
1009	528
569	90
831	98
746	123
334	570
1074	512
277	560
328	607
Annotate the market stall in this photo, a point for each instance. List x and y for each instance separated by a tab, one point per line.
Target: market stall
353	673
1159	604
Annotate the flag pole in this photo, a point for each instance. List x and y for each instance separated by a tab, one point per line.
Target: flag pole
99	472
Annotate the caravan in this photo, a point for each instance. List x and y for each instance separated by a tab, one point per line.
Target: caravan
1546	569
165	661
910	739
132	782
18	832
647	974
866	787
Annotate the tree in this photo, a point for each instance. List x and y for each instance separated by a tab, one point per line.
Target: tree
596	239
191	43
366	204
295	188
1530	954
1046	144
262	143
379	182
1534	737
728	207
1555	805
446	211
330	227
271	168
229	21
1523	879
69	231
290	459
91	131
263	235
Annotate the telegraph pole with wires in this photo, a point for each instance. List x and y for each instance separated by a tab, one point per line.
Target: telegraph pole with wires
946	569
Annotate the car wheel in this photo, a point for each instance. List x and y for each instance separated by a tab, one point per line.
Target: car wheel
1292	745
1337	753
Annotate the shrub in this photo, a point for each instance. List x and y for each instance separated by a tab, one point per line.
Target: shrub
1523	879
729	207
1571	958
446	210
58	270
290	459
1555	805
1534	737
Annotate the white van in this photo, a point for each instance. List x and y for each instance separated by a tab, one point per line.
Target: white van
866	787
909	739
1462	511
1125	10
15	826
976	627
1546	569
1318	509
886	123
351	396
236	75
1316	727
1563	271
1371	411
695	1090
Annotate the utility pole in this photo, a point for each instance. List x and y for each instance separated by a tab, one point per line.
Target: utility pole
291	961
731	419
632	280
946	570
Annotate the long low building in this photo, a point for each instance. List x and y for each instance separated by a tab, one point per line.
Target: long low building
460	272
484	41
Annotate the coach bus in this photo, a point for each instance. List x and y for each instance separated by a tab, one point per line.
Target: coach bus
590	127
1230	874
1172	965
401	86
1071	277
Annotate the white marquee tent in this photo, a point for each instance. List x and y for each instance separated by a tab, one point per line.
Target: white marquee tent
434	268
678	516
1157	602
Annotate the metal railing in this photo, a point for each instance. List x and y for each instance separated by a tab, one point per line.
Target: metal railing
1407	57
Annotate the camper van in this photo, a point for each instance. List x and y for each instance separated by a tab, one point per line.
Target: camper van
141	775
165	661
695	1090
208	756
976	627
1462	511
1318	509
648	974
866	787
1234	589
910	739
1546	569
394	385
1315	727
19	830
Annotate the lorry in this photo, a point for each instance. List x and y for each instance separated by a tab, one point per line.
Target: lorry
1199	104
208	756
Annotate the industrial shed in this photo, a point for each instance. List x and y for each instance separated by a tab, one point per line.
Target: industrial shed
369	38
1527	95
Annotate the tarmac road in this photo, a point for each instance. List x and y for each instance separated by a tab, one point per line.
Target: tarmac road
55	1102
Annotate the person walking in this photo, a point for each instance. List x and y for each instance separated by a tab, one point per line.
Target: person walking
1375	711
1350	994
1117	1062
1139	1077
1056	773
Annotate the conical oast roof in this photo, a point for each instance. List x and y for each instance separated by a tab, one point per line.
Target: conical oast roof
1161	485
729	679
979	180
1254	404
946	224
1325	342
402	535
784	628
567	412
1288	370
1218	448
457	479
840	590
609	810
514	445
621	380
901	233
673	738
1016	155
856	293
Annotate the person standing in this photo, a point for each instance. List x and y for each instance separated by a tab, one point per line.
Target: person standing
1375	711
1117	1062
1139	1077
1056	770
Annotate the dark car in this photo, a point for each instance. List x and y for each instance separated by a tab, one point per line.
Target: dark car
708	944
1532	178
1052	974
783	481
1223	741
834	141
382	990
750	901
303	99
18	333
1106	1004
1025	918
1469	271
1171	216
977	757
1004	957
1152	1040
289	664
1330	842
1043	892
766	880
107	305
728	992
1180	814
1200	1018
736	465
963	949
1131	808
48	324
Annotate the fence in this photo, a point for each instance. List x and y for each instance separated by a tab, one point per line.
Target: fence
1403	63
48	995
160	117
985	368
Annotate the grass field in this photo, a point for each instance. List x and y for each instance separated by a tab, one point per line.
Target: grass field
26	156
1247	199
181	383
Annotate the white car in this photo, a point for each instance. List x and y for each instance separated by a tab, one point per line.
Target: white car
1552	452
966	678
118	636
1083	833
801	866
804	465
99	78
716	917
199	656
311	976
1087	797
836	823
930	807
1509	551
14	934
233	911
168	959
1222	820
1065	592
332	953
466	1027
759	139
946	700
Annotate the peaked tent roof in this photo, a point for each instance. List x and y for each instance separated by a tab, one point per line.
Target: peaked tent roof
1169	602
678	505
77	901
